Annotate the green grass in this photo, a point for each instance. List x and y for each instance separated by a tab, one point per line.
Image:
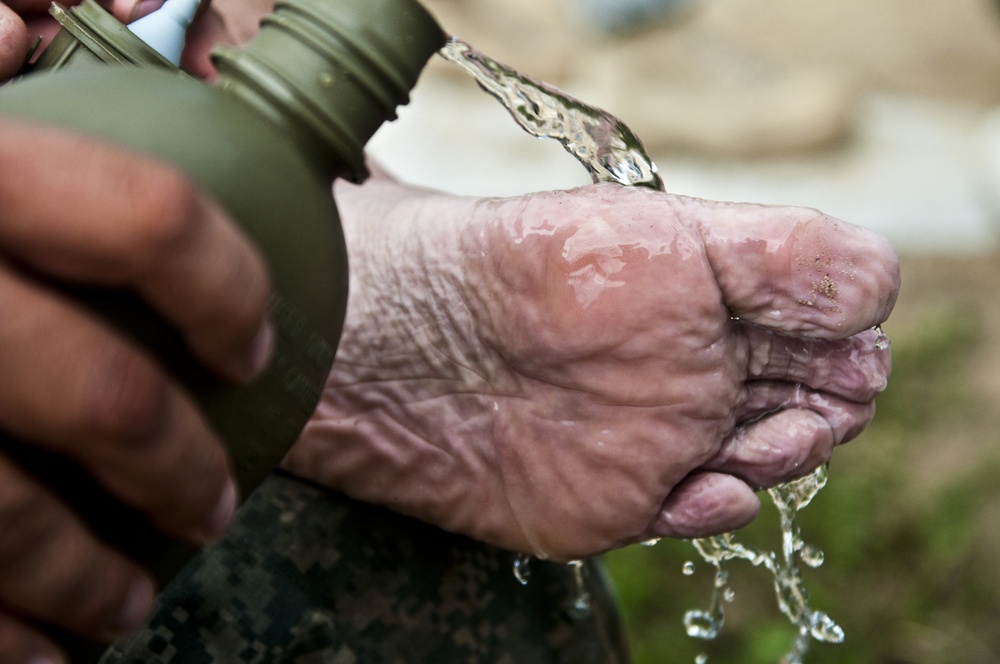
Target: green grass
907	522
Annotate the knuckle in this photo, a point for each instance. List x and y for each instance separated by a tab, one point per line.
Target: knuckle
248	291
15	641
98	599
30	522
125	397
256	300
50	567
166	210
13	42
197	480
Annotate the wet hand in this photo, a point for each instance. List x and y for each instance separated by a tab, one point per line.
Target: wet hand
75	387
565	373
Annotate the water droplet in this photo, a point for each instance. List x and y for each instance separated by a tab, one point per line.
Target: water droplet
651	542
581	604
522	568
326	79
882	339
812	556
581	607
824	629
688	568
702	625
729	594
701	659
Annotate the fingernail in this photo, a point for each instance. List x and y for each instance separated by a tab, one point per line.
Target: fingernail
144	8
136	609
218	522
47	658
261	350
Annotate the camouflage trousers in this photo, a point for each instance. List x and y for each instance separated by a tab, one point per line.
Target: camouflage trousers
307	576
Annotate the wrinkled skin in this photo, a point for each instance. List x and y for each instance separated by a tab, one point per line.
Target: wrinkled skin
567	372
74	387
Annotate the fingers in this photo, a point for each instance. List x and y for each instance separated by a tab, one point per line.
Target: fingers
31	6
207	31
852	368
13	43
798	271
53	571
117	414
128	11
138	225
125	11
705	504
242	17
141	226
20	643
765	452
791	442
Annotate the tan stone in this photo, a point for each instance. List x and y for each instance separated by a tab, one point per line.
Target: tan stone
745	77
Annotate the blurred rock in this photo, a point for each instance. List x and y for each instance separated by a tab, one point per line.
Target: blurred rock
947	50
624	15
737	77
677	84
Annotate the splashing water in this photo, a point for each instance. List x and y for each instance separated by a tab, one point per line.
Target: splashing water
581	603
580	608
882	339
522	568
612	153
600	141
789	588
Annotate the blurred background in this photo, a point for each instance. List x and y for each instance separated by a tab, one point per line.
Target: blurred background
885	113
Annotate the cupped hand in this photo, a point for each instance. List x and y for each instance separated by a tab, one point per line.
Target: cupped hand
568	372
79	211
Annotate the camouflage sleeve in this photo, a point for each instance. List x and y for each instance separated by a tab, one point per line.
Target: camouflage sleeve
307	576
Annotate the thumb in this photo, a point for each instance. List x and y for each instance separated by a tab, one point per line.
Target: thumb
124	10
25	7
798	271
13	42
128	11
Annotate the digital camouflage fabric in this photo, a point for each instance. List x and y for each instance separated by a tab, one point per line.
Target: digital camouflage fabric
307	576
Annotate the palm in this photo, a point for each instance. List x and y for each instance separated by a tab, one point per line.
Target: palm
565	373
